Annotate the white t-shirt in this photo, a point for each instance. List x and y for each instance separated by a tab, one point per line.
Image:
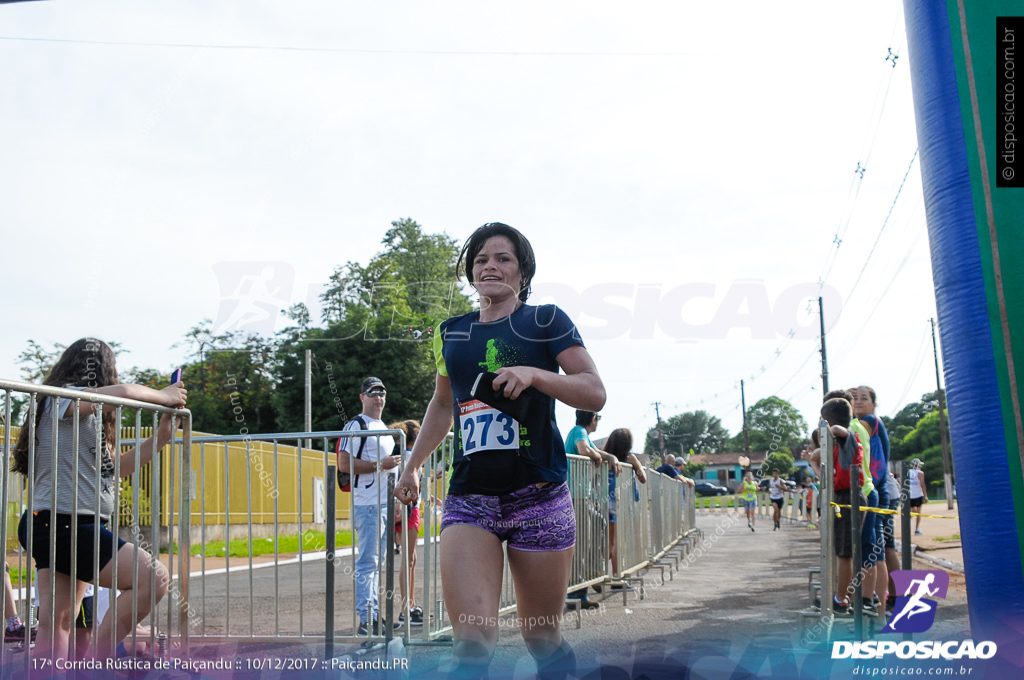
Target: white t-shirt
915	484
372	489
776	487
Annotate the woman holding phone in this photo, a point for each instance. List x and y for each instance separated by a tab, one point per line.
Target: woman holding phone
509	473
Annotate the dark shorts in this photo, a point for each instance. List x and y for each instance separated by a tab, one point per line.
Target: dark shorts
887	526
778	502
86	615
530	519
842	525
917	502
414	520
83	551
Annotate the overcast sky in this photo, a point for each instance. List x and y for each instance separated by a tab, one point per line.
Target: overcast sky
684	171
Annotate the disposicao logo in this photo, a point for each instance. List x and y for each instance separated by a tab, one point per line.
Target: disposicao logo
914	611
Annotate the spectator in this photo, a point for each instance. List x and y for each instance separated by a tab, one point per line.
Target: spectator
14	629
412	515
88	365
878	449
680	466
846	452
669	466
918	492
869	554
578	442
620	445
509	479
369	461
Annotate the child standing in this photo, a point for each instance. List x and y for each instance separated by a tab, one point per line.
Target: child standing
846	452
87	365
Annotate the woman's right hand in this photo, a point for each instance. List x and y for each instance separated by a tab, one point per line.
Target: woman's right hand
407	490
175	395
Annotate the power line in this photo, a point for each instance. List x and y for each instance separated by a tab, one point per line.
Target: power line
919	361
339	50
867	260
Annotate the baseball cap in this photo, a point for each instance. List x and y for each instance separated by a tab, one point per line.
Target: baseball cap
372	385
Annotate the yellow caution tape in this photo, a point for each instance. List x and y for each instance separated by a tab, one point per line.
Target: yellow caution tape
886	511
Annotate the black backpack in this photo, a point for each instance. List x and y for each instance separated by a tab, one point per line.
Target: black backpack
345	478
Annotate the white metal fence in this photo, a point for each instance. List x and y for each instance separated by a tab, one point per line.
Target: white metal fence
307	595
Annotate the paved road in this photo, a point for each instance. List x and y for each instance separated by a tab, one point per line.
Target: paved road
732	604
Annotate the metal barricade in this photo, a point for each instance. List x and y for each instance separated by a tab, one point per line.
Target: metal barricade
632	519
827	567
287	490
588	485
68	420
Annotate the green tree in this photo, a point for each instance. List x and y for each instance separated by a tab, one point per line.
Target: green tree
230	379
418	268
371	313
693	470
923	442
908	417
774	425
778	459
696	431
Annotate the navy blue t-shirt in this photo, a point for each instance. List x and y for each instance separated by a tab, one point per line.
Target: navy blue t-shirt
494	453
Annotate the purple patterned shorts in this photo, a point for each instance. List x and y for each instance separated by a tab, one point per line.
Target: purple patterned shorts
532	519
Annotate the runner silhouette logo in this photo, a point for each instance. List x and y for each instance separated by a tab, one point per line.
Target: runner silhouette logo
914	611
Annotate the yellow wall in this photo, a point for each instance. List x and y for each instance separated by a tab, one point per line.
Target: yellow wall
208	465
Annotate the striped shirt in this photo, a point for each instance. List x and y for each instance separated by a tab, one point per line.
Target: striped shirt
87	462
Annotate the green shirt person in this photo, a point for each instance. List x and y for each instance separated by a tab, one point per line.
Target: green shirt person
748	494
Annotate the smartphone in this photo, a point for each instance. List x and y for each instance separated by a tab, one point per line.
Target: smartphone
484	391
176	376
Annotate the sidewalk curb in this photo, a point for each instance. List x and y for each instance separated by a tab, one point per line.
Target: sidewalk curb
919	554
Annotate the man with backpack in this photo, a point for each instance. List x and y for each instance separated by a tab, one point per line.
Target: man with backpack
367	462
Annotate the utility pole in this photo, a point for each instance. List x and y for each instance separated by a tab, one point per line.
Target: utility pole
661	435
308	397
746	432
947	465
824	356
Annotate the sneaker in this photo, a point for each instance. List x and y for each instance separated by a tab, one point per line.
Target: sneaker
918	532
890	603
597	587
620	587
415	616
377	627
751	527
17	634
841	607
868	606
